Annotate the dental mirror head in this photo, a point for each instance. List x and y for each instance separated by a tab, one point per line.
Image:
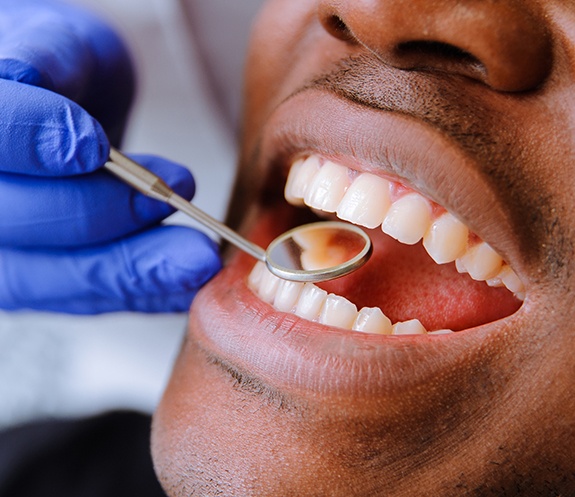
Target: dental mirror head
309	253
318	252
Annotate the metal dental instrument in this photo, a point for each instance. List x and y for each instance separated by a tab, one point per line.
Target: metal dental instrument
310	253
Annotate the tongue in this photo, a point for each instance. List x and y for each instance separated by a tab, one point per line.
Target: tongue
405	283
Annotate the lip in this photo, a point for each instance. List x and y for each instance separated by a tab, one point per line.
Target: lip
291	354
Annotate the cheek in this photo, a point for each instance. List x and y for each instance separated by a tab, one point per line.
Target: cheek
275	48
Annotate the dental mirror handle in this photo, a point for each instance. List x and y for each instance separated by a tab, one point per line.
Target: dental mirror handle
153	186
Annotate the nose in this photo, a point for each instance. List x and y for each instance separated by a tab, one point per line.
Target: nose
504	44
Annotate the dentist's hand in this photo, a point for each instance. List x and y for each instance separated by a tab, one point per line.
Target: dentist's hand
72	237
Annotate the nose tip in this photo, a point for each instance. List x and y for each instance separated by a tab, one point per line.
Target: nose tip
502	44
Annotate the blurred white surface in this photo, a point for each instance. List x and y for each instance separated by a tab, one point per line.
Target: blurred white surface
59	365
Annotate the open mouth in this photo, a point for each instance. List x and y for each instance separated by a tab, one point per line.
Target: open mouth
430	274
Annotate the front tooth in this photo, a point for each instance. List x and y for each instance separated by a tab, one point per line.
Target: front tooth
481	262
411	327
300	176
327	187
366	201
310	302
408	219
287	295
256	274
338	311
446	239
268	286
372	320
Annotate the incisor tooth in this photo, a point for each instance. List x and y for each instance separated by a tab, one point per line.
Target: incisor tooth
327	187
268	286
255	276
408	219
411	327
446	239
287	295
300	176
310	302
481	262
338	311
372	320
366	201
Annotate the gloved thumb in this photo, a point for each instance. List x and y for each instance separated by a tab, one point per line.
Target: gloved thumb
45	134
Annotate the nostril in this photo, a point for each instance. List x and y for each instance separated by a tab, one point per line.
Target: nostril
335	26
429	54
435	50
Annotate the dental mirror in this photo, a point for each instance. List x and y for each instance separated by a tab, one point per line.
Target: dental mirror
310	253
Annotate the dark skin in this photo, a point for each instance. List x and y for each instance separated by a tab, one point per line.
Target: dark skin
470	103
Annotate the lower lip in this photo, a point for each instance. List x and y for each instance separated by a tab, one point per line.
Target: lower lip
288	353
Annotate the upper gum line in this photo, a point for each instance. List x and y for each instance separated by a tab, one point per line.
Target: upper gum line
371	201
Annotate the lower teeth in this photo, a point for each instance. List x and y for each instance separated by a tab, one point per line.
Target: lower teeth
314	304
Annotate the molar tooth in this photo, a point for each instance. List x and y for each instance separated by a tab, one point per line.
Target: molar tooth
510	280
311	301
327	187
446	239
300	176
287	295
372	320
481	262
366	201
338	311
411	327
440	332
268	286
408	219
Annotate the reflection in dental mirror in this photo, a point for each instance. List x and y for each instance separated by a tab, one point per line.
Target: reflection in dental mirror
318	252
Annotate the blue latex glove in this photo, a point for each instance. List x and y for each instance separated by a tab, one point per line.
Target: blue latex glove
72	237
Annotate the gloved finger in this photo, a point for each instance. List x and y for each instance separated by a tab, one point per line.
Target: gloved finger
70	51
82	210
156	271
45	134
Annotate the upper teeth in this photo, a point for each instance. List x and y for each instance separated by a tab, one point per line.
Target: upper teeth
371	201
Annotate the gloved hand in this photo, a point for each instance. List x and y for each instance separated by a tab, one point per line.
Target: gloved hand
72	237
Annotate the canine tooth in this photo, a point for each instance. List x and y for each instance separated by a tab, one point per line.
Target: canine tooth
338	311
366	201
300	176
510	280
408	219
287	295
411	327
446	239
310	302
327	187
268	286
255	276
372	320
481	262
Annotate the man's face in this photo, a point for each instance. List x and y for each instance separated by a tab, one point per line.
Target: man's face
448	120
